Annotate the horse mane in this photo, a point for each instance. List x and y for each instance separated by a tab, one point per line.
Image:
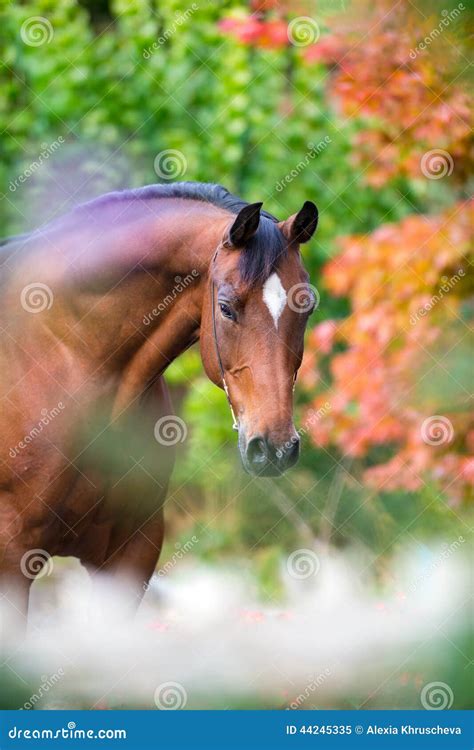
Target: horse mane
262	253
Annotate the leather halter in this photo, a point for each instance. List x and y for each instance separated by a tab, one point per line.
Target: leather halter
235	425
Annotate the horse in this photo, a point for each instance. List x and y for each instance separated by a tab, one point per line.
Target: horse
95	305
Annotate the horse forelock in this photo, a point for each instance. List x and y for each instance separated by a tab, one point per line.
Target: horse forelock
262	255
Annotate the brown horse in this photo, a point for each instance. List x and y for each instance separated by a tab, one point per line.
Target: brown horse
95	306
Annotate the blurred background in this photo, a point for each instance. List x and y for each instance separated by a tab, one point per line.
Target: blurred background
363	108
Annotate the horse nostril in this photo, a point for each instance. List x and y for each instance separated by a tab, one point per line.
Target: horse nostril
288	454
296	445
262	458
256	451
294	452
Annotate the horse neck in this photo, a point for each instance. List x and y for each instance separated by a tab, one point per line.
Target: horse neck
154	311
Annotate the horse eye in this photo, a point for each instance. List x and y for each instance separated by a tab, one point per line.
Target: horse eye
226	311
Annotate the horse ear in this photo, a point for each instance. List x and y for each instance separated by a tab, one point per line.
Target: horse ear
245	225
301	226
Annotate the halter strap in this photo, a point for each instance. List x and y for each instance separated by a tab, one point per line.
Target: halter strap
235	426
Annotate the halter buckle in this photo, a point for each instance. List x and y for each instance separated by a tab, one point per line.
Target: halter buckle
235	425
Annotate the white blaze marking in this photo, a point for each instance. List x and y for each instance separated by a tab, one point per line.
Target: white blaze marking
274	297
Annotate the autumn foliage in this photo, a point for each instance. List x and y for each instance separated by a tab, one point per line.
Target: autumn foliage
407	284
393	370
394	82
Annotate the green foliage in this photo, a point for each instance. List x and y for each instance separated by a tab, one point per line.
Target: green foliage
121	89
114	91
168	78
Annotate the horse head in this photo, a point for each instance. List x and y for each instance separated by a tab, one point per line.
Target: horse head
252	330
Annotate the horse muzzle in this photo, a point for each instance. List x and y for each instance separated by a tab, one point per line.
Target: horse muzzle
260	457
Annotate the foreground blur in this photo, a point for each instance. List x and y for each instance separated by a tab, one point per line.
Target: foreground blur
202	639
